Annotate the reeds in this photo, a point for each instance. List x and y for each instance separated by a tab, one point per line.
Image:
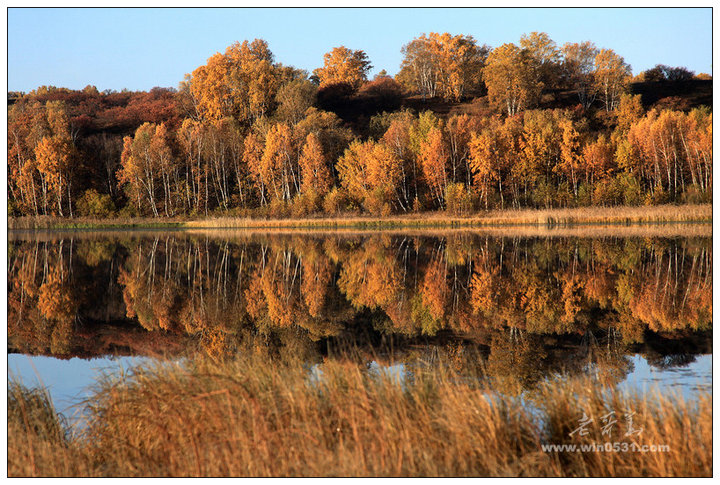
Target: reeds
255	417
38	443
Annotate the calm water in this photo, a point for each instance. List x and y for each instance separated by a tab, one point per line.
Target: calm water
635	308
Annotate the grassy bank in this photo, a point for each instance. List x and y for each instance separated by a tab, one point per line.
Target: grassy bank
258	418
550	218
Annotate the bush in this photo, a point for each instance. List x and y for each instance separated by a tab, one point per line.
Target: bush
629	189
305	204
12	209
337	201
606	193
585	195
278	208
457	199
95	204
693	195
417	205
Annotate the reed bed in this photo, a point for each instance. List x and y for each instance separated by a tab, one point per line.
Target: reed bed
255	417
541	217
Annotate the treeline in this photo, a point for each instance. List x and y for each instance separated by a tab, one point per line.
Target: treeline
245	135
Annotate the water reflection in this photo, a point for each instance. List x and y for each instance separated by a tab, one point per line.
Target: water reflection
520	307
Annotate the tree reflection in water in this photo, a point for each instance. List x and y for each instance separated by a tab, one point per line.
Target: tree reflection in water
519	308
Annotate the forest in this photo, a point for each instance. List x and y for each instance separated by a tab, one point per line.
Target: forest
462	127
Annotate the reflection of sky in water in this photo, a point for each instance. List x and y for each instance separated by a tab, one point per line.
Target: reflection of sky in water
69	380
686	380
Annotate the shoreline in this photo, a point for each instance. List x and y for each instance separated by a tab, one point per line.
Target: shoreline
623	215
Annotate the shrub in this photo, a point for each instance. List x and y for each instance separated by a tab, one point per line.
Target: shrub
305	204
606	193
278	208
629	189
585	195
457	199
658	197
693	195
337	201
94	204
417	205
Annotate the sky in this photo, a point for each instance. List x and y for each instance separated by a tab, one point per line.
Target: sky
139	49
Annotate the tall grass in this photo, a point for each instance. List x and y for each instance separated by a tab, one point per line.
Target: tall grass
38	443
254	417
542	217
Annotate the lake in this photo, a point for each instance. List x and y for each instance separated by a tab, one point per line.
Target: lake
633	304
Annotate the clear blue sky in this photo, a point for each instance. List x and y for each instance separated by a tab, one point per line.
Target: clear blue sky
142	48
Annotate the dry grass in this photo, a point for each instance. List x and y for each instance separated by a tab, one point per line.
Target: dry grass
37	441
253	417
550	218
586	231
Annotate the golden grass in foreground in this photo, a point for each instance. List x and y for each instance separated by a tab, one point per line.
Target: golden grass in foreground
543	217
256	418
37	444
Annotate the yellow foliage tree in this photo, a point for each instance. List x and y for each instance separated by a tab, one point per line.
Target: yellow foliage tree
611	77
343	65
314	170
509	78
241	83
370	171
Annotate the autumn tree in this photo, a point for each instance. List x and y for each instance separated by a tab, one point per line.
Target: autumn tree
509	79
670	149
146	162
332	133
459	129
191	138
294	98
222	153
545	56
578	70
598	158
278	165
371	172
54	158
541	144
241	83
314	171
611	77
55	155
570	153
397	137
442	65
493	152
343	65
252	156
628	112
434	160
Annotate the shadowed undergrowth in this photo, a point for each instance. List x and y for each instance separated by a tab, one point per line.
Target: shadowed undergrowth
256	417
